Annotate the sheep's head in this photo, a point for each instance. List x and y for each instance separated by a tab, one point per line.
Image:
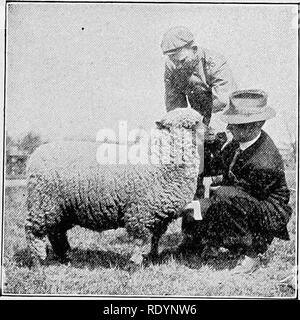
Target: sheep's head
186	118
182	132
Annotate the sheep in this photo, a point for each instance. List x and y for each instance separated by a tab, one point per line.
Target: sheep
66	186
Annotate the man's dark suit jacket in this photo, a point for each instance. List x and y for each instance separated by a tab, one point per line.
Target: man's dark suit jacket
259	171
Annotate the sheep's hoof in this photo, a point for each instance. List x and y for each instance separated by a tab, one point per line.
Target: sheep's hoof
65	260
132	267
137	259
151	257
135	262
35	263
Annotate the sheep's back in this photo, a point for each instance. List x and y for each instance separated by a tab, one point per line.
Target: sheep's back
100	195
70	175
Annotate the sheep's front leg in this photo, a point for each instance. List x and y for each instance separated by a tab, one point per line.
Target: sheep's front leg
137	253
153	254
139	225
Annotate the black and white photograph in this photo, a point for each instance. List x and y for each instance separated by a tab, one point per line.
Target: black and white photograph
150	149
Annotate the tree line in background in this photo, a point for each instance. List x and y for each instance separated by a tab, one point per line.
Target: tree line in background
18	151
26	144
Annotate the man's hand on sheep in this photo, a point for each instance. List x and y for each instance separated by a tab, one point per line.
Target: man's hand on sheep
195	207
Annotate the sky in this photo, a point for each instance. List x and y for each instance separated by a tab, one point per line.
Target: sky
73	69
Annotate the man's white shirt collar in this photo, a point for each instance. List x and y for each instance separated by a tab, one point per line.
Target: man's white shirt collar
245	145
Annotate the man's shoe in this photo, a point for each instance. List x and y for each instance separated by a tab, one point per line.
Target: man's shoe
247	265
184	247
210	252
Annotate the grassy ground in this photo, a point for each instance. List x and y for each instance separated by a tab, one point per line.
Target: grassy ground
99	264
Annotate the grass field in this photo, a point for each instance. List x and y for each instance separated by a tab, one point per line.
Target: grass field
99	264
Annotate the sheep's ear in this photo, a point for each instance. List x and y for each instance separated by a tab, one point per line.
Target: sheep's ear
196	124
188	124
163	125
159	125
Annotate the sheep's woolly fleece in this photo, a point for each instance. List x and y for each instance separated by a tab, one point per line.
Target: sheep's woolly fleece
67	187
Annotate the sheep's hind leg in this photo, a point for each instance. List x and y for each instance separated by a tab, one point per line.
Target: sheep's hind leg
60	245
36	244
153	254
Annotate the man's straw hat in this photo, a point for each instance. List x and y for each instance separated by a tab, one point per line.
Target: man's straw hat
247	106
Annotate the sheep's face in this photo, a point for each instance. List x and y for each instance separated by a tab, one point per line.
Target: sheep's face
182	133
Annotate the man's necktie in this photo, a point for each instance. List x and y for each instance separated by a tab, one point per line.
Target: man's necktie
236	155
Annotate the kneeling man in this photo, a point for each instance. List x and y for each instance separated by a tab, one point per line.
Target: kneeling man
249	206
